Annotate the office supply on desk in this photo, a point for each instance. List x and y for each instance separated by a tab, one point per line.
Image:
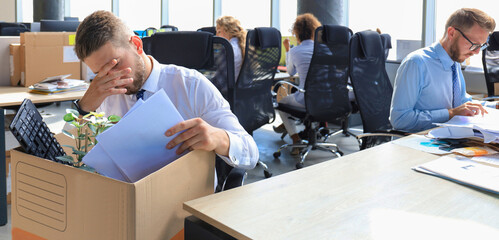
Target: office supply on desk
489	159
484	127
423	143
58	85
465	171
33	134
372	87
137	143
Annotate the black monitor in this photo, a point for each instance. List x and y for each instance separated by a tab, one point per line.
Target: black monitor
58	26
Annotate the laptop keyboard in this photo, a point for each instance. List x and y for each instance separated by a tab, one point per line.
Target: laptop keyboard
33	134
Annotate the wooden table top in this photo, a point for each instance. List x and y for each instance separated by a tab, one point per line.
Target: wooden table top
371	194
14	96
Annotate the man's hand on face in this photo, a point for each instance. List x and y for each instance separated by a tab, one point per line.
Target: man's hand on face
467	109
107	82
198	134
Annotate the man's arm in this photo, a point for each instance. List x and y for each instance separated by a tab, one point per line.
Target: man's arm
403	114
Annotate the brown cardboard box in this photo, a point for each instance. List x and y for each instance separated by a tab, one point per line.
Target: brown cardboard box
49	54
54	201
496	89
15	63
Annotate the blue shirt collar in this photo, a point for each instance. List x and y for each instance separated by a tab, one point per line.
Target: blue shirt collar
443	56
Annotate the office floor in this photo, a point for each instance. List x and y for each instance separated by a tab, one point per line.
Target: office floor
268	142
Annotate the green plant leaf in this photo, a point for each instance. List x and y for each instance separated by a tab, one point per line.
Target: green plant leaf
68	134
68	117
69	146
66	158
82	153
114	118
92	128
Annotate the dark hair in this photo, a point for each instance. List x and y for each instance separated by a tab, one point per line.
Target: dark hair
465	18
96	30
305	25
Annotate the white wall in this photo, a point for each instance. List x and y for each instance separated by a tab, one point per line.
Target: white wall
8	10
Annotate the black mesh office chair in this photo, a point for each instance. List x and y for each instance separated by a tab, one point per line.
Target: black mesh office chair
212	30
490	60
386	41
326	93
253	96
211	55
12	29
372	88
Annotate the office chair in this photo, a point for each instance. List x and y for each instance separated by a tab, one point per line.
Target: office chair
372	88
212	30
12	29
326	93
386	41
212	56
253	96
490	60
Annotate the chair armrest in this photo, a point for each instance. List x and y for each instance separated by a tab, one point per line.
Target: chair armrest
282	82
388	133
234	179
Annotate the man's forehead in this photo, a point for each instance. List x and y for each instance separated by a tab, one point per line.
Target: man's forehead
101	57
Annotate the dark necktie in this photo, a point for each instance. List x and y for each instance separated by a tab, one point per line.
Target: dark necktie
456	91
140	94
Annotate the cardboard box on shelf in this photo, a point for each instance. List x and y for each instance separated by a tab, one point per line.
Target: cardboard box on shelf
48	54
54	201
15	63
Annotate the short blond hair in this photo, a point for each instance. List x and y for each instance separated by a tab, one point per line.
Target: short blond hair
465	18
97	29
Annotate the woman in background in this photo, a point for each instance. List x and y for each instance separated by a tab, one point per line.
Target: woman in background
297	61
230	28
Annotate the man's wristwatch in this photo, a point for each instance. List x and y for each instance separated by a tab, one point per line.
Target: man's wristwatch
81	111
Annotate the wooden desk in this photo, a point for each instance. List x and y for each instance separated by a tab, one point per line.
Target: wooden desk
14	96
372	194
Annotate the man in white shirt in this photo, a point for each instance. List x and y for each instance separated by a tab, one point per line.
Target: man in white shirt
124	72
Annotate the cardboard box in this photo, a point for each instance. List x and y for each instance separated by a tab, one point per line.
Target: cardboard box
15	63
496	89
49	54
5	42
54	201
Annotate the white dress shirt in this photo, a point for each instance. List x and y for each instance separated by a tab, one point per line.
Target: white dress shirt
194	96
238	56
298	60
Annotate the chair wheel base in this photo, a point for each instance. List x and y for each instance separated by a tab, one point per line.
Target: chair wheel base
299	165
277	154
340	152
267	174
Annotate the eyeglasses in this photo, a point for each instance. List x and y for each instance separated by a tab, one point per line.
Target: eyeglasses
474	46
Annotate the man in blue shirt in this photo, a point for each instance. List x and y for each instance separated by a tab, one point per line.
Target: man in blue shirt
429	86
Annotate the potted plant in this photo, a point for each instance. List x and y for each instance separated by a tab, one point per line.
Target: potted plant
87	129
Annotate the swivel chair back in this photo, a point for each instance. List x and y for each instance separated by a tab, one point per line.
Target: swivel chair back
490	60
212	30
212	56
326	93
372	87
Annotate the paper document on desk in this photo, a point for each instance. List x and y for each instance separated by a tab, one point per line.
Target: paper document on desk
484	127
463	171
137	144
421	143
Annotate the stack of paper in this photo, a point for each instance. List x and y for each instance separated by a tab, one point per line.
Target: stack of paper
463	171
136	145
58	84
484	127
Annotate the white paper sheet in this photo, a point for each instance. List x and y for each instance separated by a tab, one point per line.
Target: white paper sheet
137	143
421	143
103	164
464	171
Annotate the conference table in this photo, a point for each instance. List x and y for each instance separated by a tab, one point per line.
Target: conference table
14	96
371	194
